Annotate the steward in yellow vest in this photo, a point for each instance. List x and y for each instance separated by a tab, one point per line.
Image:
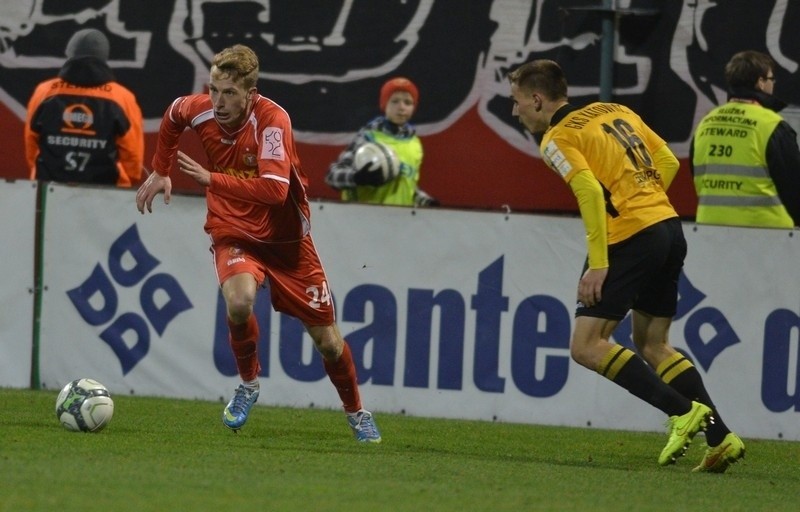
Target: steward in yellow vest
744	157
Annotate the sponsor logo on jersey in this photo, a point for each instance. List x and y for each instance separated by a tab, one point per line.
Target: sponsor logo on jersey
272	143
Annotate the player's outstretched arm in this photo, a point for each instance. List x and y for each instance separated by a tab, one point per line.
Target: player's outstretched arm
154	184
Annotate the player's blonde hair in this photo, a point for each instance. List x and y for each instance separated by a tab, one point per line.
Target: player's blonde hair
237	62
542	75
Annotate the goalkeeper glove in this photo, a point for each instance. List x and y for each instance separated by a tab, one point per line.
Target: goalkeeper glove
366	176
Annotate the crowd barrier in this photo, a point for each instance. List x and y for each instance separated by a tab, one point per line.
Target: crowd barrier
453	314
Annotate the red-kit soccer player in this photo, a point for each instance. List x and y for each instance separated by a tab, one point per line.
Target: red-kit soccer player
259	223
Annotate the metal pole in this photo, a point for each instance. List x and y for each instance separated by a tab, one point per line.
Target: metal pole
607	50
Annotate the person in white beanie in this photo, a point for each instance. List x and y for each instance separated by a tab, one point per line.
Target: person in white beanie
83	126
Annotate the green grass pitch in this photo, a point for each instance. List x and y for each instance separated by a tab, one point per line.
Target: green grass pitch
175	455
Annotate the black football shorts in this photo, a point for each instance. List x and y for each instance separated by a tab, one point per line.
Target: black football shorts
643	273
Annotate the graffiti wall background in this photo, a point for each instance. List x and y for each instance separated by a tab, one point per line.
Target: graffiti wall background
325	60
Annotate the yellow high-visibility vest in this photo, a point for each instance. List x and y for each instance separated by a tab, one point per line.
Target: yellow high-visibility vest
400	191
731	178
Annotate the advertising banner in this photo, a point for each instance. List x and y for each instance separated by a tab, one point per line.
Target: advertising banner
448	313
17	221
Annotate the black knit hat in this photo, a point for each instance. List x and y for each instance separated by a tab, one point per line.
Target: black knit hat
88	42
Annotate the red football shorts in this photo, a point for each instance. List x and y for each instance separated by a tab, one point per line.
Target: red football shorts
292	270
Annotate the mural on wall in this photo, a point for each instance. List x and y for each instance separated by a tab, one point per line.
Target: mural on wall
668	63
325	60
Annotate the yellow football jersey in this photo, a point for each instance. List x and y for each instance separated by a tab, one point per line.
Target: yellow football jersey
612	142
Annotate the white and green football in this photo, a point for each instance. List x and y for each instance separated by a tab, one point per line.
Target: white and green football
84	405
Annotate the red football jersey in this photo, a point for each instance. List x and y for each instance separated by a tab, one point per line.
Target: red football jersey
258	188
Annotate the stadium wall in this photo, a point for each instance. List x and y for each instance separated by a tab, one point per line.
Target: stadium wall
325	62
449	313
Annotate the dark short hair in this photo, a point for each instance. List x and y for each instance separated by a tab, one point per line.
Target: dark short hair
542	75
745	68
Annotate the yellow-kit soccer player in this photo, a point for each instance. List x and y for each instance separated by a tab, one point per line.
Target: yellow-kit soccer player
619	170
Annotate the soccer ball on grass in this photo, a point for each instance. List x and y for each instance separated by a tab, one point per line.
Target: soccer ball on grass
84	405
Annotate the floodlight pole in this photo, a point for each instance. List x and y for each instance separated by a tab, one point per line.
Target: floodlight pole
607	45
610	13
